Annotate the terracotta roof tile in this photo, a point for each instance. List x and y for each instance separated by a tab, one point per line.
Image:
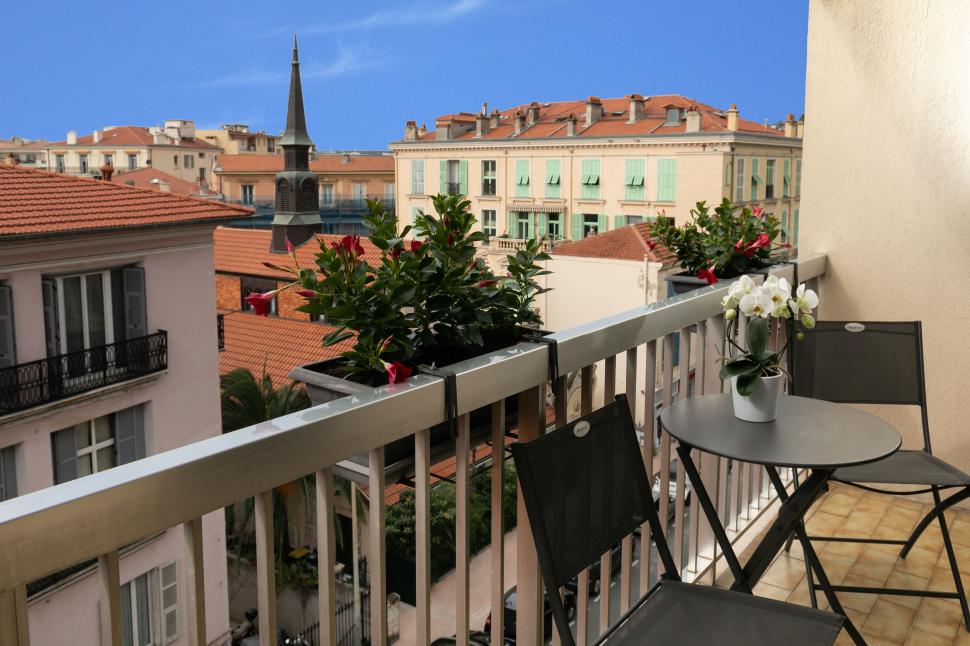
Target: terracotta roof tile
34	202
136	136
322	164
243	251
144	178
626	243
280	344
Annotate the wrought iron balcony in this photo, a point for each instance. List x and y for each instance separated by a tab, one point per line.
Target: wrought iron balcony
35	383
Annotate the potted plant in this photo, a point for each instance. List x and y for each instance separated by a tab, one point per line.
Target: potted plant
429	301
724	243
755	372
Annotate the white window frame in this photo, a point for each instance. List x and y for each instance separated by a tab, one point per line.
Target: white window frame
490	228
188	162
109	333
59	163
359	191
554	219
150	586
591	228
388	190
327	197
132	161
490	175
417	177
739	181
83	164
95	446
246	191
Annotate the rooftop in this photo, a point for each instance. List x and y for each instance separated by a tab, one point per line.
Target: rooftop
343	163
34	202
137	136
626	243
152	180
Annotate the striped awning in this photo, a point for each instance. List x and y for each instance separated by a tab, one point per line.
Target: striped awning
539	206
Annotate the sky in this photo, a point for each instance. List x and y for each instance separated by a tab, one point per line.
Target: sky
369	66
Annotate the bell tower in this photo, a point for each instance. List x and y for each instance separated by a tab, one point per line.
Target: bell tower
297	213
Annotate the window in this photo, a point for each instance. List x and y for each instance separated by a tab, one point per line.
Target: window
99	444
453	176
755	179
523	229
798	178
488	177
136	612
249	286
786	179
359	191
201	174
132	161
417	177
83	163
666	180
634	179
388	191
270	145
739	181
553	186
673	115
590	179
554	226
328	194
149	607
59	163
489	222
770	179
523	173
86	312
175	160
633	219
247	194
189	161
109	159
591	224
8	354
8	473
794	227
251	144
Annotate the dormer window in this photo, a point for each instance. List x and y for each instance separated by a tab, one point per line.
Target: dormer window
673	115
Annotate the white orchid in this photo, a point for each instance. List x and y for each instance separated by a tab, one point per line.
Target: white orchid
757	303
805	300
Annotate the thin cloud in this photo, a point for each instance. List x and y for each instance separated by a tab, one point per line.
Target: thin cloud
414	15
347	62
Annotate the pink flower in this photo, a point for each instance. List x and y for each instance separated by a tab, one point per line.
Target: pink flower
416	246
290	249
385	344
396	372
758	211
485	283
307	293
707	273
261	303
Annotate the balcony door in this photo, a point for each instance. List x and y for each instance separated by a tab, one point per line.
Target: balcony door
85	311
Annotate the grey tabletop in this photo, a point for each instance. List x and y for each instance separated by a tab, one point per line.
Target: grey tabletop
806	433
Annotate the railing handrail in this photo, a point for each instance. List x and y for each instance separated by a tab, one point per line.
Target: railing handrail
80	353
107	510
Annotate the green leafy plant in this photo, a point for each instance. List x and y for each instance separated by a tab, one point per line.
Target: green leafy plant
428	300
724	243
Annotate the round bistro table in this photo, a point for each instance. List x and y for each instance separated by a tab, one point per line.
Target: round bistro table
807	434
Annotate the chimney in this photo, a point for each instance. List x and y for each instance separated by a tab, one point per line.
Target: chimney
693	119
107	170
800	128
481	125
410	131
71	137
594	110
493	120
97	136
442	130
790	125
732	118
571	126
345	160
164	187
636	108
518	122
159	139
532	114
423	130
10	160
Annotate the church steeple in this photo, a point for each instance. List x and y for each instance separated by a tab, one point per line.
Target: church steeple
297	215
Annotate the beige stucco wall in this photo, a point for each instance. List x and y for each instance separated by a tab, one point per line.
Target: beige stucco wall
162	158
886	190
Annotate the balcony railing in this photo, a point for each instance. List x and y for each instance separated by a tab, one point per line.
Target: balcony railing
54	528
511	245
32	384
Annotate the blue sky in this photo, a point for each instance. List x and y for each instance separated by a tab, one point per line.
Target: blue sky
370	66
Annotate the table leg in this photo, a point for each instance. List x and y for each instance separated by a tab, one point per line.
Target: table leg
808	551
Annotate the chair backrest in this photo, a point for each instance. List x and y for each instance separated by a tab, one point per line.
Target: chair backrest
585	488
862	362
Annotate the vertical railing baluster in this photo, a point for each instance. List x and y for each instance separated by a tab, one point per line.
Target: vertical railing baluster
679	477
582	601
498	526
265	568
195	582
606	560
110	602
700	373
529	613
668	395
626	550
712	468
326	555
559	397
377	558
649	433
462	558
741	474
422	534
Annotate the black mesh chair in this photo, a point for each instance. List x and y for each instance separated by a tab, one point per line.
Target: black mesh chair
585	488
863	362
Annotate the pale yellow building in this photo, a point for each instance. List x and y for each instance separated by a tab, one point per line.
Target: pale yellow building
572	169
238	139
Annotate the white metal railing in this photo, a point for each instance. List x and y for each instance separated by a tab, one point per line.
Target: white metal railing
93	517
512	245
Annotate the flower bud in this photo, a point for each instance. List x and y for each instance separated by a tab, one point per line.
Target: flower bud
800	335
730	315
808	321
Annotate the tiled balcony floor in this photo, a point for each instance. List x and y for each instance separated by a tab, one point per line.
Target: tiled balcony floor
883	619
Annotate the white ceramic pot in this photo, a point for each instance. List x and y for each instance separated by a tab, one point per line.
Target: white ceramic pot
762	404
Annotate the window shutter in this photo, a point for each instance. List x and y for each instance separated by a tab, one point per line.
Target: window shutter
513	224
51	326
795	227
463	176
594	171
65	455
8	354
8	474
130	434
169	596
530	225
577	226
603	225
443	176
542	226
619	221
414	215
638	176
584	176
628	179
136	316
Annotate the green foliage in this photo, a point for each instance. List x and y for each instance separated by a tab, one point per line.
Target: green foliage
758	362
400	519
733	239
429	300
247	401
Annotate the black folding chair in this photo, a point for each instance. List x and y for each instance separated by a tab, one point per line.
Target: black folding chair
585	488
863	362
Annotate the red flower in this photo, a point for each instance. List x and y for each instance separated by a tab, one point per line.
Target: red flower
758	211
396	372
485	283
396	252
651	245
290	249
416	246
307	293
261	303
707	273
351	244
451	239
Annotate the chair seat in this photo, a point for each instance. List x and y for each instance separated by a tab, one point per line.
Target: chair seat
699	615
908	468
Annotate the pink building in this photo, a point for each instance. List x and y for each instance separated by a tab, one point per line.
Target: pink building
108	354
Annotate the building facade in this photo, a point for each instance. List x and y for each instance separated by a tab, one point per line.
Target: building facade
572	169
238	139
107	358
29	153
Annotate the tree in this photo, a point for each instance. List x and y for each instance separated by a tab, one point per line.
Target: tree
247	401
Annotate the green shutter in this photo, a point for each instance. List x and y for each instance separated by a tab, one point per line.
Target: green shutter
522	172
443	176
576	221
542	226
604	224
530	225
787	178
667	180
619	221
634	179
795	228
463	176
414	214
552	178
512	224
